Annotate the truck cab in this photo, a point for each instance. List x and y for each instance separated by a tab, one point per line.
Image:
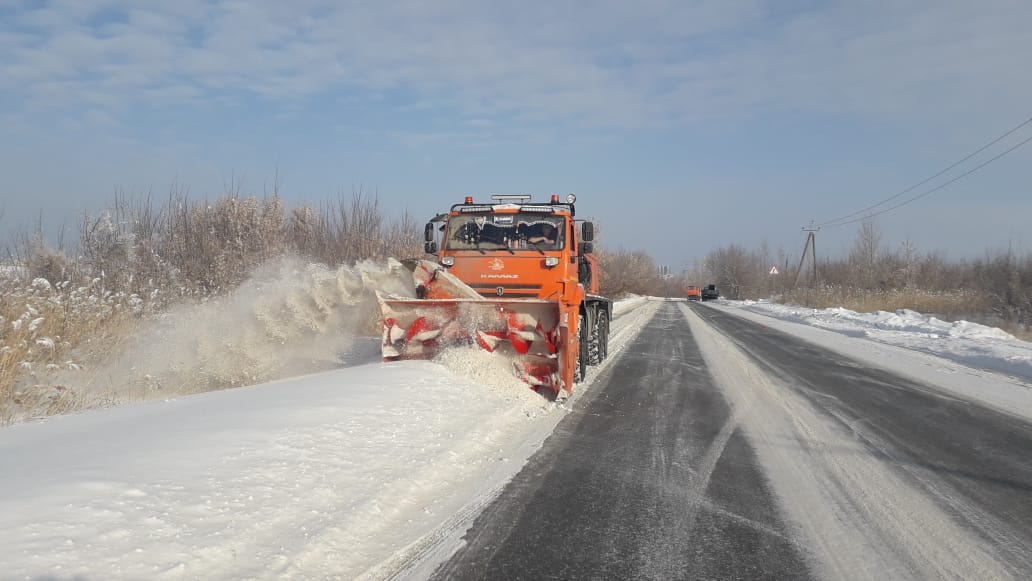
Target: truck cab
514	248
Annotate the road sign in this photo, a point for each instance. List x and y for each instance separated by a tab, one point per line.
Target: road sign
774	270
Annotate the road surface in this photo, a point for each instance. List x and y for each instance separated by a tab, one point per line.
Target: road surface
717	448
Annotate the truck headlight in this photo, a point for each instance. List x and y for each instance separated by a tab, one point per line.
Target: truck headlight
551	261
448	260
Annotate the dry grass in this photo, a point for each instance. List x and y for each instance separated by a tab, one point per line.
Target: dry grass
47	329
949	304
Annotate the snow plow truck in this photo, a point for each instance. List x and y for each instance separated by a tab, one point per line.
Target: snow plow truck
514	277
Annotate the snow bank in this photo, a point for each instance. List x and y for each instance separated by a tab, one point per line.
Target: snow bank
312	477
902	321
960	341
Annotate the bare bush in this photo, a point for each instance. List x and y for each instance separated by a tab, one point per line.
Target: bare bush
628	272
403	237
42	261
358	224
737	272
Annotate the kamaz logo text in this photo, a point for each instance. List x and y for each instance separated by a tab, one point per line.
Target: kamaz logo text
499	276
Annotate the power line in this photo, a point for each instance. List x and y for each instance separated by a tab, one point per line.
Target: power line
928	179
938	187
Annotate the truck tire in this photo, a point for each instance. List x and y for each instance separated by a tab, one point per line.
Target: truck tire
599	339
582	350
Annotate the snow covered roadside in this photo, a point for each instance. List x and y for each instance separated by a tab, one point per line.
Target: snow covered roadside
966	359
242	483
343	474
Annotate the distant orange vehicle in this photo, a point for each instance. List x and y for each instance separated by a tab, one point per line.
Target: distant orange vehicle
693	293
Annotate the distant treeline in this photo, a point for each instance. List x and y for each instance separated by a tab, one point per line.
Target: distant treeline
995	289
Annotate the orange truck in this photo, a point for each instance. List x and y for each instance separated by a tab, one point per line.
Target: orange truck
512	276
693	293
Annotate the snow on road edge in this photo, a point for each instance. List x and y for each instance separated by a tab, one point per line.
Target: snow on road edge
1006	393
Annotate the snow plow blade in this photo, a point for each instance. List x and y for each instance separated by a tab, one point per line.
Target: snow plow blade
524	330
452	314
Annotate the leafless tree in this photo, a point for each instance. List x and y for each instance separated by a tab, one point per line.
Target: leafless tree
863	258
737	272
628	272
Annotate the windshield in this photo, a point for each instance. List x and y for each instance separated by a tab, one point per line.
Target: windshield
505	231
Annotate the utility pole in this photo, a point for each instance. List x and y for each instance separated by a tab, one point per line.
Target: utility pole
811	247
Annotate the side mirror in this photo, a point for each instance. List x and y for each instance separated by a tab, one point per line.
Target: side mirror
587	247
587	232
430	247
428	232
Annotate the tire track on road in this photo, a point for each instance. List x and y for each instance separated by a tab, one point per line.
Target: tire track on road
860	517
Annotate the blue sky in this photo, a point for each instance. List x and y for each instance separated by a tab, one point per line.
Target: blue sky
682	126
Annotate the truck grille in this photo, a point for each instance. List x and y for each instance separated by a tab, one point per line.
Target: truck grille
513	291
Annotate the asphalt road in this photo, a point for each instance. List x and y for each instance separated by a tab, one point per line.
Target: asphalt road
670	469
645	479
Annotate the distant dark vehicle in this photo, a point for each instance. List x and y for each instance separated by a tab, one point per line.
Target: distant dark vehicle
710	292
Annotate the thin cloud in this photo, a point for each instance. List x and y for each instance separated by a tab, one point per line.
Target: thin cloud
616	65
